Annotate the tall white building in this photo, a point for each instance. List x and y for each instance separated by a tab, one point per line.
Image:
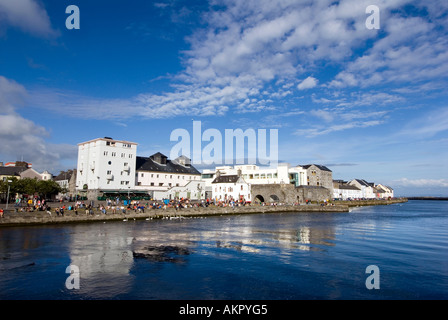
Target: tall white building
106	165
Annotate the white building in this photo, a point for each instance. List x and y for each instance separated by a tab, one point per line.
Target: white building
367	189
169	179
252	174
345	191
106	165
388	192
230	187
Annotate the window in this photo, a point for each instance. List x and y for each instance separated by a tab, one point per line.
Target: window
169	184
160	184
141	175
177	184
114	154
130	156
109	163
123	155
105	153
152	184
157	176
109	172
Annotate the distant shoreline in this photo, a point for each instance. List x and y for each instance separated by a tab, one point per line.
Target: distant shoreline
428	198
15	219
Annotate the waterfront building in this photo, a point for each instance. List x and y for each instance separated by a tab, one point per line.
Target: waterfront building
344	191
67	181
384	191
163	178
21	170
367	188
106	167
226	188
255	175
319	176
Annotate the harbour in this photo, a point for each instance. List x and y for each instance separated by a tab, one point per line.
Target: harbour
273	256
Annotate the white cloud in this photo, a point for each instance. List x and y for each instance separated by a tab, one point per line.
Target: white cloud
24	137
413	50
422	182
27	15
427	125
308	83
248	51
323	130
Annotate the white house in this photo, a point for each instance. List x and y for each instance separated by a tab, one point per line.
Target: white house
388	192
346	191
106	166
367	189
230	187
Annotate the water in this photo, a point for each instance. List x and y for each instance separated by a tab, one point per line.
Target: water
284	256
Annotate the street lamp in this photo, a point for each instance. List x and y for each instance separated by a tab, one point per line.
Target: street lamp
7	197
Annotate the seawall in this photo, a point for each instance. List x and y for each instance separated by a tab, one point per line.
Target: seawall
12	218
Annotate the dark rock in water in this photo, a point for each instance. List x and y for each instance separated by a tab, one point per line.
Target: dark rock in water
161	253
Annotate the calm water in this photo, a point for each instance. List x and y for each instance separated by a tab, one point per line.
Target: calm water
266	256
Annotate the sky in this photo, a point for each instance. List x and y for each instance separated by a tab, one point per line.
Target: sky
369	103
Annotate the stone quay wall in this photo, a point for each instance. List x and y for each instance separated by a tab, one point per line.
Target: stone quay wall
12	218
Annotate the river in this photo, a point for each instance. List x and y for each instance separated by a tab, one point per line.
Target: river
284	256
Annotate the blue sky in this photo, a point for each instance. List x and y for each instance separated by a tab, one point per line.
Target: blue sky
369	104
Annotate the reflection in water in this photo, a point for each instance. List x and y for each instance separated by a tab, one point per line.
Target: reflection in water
104	258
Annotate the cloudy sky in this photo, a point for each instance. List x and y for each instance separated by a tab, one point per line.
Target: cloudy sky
368	103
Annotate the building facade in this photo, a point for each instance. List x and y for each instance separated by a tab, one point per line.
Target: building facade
226	188
106	166
164	178
255	175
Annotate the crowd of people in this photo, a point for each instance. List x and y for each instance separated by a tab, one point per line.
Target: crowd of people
117	205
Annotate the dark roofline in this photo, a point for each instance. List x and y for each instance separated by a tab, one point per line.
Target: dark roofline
150	165
321	167
227	179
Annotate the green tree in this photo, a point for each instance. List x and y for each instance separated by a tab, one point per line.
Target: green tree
48	188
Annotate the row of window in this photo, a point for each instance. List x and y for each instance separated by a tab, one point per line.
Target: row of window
155	175
114	154
260	176
113	144
227	189
160	184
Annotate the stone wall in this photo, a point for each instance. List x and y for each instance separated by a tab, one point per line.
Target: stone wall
288	193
